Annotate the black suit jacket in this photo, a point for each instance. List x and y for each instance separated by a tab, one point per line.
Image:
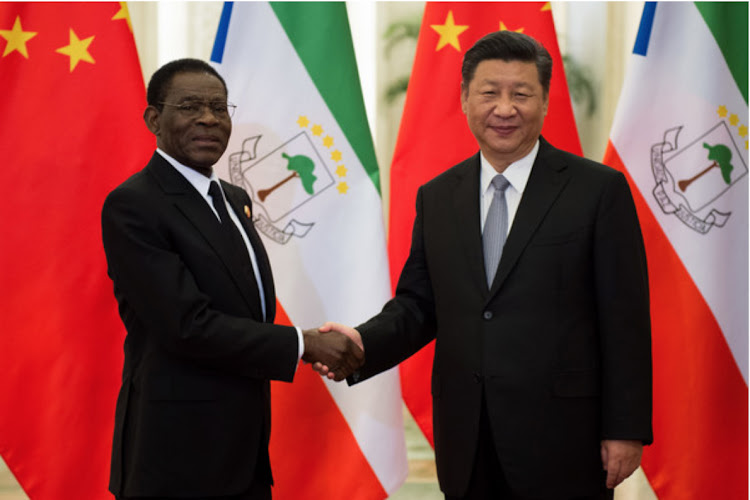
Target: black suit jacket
559	345
193	413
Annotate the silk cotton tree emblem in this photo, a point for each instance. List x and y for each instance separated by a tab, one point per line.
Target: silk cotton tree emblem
284	179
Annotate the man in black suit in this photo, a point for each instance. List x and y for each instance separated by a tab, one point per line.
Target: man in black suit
196	295
541	381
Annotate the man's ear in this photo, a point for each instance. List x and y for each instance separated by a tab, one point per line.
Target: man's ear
464	97
152	118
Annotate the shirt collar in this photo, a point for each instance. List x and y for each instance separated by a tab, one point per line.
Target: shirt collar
517	172
199	181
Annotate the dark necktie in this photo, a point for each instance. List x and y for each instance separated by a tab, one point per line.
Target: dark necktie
495	228
233	237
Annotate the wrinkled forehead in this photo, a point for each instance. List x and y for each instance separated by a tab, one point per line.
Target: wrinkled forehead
196	86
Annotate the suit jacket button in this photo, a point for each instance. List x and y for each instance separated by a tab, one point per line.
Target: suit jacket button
487	315
477	377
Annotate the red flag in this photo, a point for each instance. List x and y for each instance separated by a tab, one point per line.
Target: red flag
434	135
72	95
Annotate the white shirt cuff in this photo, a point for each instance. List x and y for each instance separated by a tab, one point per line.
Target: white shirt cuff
300	344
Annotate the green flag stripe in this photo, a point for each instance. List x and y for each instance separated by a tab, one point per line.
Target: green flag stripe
319	32
728	23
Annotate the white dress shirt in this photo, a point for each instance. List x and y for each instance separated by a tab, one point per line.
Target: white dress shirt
517	174
201	183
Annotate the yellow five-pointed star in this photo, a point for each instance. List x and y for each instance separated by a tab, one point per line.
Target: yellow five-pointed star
449	32
503	27
78	50
336	155
342	187
317	130
734	119
742	130
328	141
303	122
124	13
722	111
17	39
341	171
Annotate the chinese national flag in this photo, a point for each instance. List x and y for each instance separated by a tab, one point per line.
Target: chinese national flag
434	135
71	95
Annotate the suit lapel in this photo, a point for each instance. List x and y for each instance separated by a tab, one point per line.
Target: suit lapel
199	214
548	177
466	203
261	257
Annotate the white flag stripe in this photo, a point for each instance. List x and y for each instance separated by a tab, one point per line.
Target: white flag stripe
694	81
338	269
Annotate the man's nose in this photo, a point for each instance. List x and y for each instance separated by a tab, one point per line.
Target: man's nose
504	107
207	114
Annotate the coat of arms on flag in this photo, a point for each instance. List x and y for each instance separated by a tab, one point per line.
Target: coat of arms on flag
280	182
691	180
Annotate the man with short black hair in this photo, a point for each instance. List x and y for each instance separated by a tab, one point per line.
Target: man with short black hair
196	295
527	267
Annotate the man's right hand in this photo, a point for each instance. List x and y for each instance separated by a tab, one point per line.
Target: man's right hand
350	332
333	352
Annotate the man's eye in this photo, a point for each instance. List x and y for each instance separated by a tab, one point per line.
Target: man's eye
189	106
219	107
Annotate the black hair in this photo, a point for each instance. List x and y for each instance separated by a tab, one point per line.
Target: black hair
508	46
158	86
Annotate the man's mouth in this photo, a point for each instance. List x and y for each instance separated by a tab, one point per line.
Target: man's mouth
206	140
503	130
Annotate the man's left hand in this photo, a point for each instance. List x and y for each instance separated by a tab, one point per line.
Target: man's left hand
620	459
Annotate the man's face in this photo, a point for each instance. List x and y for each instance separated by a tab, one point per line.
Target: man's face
195	140
505	107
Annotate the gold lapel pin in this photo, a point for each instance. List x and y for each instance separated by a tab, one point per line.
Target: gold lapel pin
248	213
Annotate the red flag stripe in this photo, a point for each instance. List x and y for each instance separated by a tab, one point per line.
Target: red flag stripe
349	479
700	397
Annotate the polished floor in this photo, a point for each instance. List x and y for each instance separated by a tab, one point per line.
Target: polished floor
421	484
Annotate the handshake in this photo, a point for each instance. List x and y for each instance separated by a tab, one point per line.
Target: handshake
335	350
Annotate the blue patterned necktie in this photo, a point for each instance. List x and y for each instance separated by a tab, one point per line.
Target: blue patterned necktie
495	228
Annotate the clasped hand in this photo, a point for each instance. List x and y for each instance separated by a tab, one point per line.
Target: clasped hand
333	352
